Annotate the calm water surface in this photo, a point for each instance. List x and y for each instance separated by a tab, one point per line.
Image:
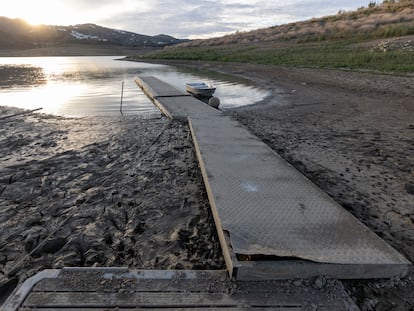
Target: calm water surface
91	86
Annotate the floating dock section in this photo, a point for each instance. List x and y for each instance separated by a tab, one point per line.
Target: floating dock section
273	223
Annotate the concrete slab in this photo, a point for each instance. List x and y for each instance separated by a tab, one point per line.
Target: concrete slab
182	107
172	102
154	87
101	289
266	211
270	209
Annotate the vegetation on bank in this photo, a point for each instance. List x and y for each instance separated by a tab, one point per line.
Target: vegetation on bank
333	55
379	37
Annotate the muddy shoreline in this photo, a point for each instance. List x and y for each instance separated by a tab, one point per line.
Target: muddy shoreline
351	133
101	192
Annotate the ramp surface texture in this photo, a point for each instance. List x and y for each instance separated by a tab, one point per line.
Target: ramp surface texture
122	289
157	88
263	206
175	106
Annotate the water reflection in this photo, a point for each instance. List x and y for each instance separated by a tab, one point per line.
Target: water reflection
82	86
232	91
21	75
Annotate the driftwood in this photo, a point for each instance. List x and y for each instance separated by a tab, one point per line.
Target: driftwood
20	113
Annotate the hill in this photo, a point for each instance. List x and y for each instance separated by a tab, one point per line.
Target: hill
17	34
356	39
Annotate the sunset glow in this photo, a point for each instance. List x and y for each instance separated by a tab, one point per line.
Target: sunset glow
36	12
179	18
51	12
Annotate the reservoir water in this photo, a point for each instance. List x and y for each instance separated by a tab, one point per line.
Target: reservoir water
91	86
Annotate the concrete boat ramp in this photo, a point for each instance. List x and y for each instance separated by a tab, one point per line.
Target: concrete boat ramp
273	224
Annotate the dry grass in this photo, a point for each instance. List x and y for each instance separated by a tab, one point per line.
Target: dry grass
352	40
386	20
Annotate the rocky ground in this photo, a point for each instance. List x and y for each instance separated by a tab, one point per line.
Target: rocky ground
100	192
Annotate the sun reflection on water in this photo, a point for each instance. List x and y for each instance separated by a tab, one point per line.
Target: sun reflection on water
91	86
52	97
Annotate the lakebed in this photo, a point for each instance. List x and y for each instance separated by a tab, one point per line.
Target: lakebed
100	192
137	178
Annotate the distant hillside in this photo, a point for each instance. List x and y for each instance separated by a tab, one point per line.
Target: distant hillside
357	39
389	19
17	34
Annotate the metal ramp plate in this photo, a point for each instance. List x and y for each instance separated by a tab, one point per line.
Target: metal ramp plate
269	208
184	106
175	106
266	211
123	289
154	87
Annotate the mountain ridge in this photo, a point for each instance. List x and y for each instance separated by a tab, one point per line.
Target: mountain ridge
18	34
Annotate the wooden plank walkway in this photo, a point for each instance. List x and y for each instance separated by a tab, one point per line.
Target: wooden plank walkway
123	289
266	211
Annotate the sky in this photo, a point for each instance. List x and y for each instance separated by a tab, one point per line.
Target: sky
179	18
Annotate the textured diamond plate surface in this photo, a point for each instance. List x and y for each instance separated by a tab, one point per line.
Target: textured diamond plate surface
183	106
266	205
177	103
269	208
156	87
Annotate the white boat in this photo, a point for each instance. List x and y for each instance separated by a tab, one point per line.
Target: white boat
200	89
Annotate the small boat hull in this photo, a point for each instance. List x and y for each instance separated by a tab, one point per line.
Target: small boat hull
200	89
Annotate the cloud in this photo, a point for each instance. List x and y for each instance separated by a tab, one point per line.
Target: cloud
204	18
89	5
185	18
190	19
